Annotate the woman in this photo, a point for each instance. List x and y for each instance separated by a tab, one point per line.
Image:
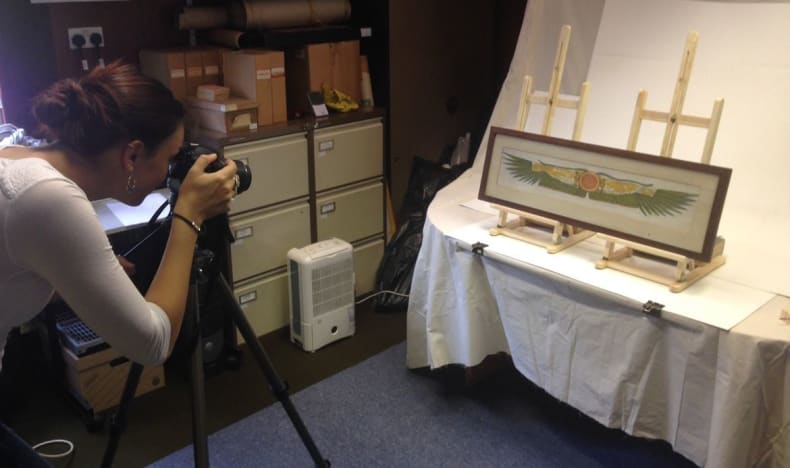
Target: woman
114	133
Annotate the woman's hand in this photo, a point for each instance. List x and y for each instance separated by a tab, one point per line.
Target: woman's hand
202	194
127	266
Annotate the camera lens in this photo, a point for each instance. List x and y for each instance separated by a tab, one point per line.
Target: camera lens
186	158
245	176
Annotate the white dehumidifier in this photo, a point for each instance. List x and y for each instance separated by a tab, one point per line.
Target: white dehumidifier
321	283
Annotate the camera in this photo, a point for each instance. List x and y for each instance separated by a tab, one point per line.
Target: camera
187	156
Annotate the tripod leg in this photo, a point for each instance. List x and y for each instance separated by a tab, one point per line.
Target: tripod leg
279	388
199	436
118	420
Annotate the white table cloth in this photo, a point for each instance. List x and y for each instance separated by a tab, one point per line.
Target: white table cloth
721	398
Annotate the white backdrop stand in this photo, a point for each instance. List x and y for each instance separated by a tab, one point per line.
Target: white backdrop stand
686	270
526	226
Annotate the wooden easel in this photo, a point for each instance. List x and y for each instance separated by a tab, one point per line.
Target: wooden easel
563	235
687	270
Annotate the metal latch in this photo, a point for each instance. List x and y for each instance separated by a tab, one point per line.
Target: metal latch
652	308
477	248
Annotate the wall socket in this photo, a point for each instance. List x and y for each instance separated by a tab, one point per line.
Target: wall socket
86	33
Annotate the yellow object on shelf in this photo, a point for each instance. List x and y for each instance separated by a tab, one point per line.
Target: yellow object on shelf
338	100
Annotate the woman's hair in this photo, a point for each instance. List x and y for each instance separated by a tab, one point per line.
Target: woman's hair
107	106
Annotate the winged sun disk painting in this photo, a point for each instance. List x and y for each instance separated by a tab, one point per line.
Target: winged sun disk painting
650	200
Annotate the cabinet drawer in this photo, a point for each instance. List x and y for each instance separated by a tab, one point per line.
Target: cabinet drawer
351	214
366	263
279	171
348	153
264	237
265	303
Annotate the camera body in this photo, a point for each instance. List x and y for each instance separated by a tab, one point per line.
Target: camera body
187	156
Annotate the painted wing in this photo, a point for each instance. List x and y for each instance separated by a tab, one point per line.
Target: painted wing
522	170
661	203
608	189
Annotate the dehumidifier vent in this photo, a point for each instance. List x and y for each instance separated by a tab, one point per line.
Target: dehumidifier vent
321	281
333	286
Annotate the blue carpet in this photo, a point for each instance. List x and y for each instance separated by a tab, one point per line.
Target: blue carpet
380	414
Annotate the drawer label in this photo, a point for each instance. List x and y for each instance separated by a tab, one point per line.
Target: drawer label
243	233
327	208
325	146
247	298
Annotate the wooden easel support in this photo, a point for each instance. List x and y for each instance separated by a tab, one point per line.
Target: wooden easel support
563	235
687	271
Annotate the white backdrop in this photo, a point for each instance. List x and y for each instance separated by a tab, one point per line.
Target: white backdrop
718	392
741	56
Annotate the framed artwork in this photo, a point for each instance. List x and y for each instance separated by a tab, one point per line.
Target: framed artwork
666	203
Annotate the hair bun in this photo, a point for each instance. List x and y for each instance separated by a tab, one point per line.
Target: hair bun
107	106
59	103
59	110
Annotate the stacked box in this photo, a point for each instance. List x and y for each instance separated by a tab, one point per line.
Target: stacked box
258	75
193	62
232	116
182	70
168	66
212	65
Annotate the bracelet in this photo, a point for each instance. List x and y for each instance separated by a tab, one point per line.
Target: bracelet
191	223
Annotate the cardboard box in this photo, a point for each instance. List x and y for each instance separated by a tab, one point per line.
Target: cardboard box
98	379
279	95
168	67
233	116
258	75
212	92
193	62
336	64
212	65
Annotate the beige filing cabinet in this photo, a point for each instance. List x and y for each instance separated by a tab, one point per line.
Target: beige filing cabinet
267	220
311	180
279	171
349	192
264	302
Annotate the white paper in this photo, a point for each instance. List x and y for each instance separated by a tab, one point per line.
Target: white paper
711	300
130	216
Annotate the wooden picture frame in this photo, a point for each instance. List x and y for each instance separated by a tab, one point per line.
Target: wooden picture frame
666	203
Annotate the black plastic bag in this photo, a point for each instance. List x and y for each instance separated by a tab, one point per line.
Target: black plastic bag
397	264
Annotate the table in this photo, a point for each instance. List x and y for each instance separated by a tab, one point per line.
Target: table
720	398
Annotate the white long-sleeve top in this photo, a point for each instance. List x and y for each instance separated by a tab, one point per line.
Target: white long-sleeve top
51	240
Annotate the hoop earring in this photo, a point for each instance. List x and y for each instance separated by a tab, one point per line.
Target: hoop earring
131	183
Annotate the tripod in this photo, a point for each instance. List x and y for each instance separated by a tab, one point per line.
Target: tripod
200	276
